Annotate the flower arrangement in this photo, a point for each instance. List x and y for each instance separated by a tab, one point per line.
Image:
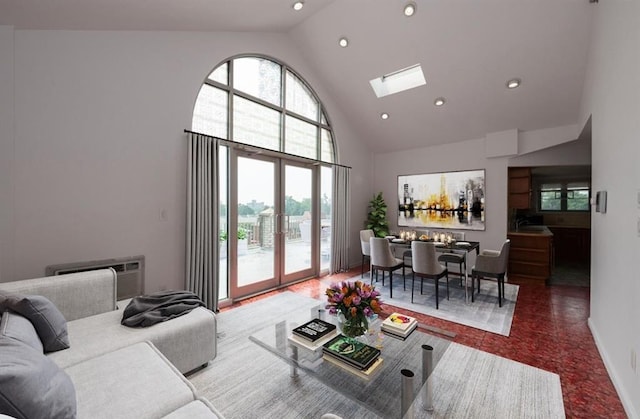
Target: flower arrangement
353	302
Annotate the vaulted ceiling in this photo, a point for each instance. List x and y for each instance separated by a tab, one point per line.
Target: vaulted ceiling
468	49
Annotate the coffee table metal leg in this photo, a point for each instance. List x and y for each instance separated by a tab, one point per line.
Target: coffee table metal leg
427	381
294	364
406	394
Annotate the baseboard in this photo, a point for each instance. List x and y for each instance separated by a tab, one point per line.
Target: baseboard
622	393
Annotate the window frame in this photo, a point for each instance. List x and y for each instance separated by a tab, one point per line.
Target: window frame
322	121
564	192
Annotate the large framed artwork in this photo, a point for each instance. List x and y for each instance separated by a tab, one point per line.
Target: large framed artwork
453	200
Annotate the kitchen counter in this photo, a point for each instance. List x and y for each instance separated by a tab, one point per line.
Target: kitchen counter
531	254
532	230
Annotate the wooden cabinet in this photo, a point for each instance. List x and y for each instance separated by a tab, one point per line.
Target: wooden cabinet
571	244
530	256
519	187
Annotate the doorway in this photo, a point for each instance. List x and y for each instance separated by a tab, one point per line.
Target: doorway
274	224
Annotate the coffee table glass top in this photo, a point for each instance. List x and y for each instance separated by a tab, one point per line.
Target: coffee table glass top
381	392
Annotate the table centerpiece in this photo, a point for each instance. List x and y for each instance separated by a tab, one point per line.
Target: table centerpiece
354	302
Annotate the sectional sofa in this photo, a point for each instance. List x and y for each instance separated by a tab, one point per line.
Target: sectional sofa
111	370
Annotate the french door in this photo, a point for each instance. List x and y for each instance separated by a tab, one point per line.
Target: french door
273	223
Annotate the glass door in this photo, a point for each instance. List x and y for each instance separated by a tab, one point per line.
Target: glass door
299	226
274	229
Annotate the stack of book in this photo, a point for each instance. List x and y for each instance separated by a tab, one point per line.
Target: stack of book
313	334
352	355
399	325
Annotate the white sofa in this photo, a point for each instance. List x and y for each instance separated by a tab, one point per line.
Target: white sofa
124	372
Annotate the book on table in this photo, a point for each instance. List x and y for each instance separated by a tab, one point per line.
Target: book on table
351	351
314	330
399	325
402	335
365	373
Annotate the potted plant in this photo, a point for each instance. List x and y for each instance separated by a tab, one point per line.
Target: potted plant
243	243
223	244
377	216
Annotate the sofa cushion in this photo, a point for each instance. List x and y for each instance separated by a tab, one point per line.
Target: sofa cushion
45	317
139	377
188	341
31	385
197	409
18	327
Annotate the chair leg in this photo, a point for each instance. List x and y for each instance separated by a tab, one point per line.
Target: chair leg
362	273
473	279
390	284
437	299
447	285
500	279
413	283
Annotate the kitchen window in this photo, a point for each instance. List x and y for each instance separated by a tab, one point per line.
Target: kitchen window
567	196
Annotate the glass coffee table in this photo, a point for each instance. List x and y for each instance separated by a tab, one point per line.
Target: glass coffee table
390	389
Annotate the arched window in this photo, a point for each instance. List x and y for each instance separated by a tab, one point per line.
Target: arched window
259	101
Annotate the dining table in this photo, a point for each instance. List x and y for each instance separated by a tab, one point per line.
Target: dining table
453	246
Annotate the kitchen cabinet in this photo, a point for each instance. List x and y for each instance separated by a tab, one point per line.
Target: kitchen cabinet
519	187
571	244
531	255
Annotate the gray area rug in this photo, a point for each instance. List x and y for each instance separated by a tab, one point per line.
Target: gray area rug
247	381
483	313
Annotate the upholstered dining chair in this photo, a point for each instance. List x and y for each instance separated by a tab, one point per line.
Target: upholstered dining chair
382	259
426	266
365	235
457	257
491	264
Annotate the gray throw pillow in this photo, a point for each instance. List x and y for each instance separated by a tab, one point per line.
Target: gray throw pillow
19	327
45	317
31	385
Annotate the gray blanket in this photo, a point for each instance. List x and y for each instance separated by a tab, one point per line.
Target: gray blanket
147	310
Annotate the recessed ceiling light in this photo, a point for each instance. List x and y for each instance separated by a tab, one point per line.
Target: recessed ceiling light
384	115
410	9
343	42
513	83
439	101
298	5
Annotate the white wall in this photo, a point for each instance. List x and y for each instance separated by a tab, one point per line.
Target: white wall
6	152
612	98
100	149
470	155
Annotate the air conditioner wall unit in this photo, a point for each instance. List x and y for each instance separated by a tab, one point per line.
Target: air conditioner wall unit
129	271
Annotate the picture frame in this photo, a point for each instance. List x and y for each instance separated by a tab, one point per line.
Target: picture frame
443	200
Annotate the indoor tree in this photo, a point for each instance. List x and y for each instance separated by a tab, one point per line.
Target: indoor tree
377	216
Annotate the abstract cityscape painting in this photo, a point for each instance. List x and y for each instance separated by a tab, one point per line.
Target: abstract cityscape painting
448	200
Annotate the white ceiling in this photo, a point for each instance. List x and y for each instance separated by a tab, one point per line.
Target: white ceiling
468	49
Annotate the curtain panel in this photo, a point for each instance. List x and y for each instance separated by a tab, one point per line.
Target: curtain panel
341	228
202	216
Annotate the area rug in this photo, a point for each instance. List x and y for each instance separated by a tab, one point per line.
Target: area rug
246	381
483	313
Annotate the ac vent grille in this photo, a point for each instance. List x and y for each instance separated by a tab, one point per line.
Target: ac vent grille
129	270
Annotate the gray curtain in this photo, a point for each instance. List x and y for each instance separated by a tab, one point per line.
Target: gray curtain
202	216
340	231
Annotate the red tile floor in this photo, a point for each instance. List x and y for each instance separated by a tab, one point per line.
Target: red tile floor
549	331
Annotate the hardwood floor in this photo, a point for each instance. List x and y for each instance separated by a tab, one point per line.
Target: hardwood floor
549	331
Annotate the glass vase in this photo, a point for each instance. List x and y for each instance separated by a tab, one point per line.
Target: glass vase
353	327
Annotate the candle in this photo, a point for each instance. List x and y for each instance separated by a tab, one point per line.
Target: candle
442	237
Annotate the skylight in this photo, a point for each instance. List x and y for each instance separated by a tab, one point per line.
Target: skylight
398	81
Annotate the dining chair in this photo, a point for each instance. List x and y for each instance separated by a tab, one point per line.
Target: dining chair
365	235
426	266
491	264
382	259
457	257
